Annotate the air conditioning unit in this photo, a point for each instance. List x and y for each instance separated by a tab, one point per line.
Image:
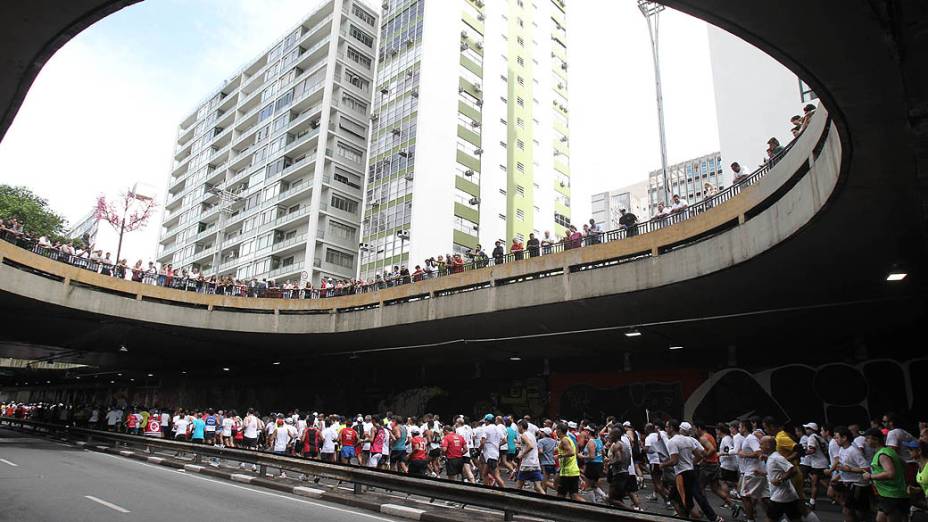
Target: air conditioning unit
563	184
563	139
404	153
394	52
409	177
464	46
460	90
557	152
397	132
476	227
478	152
479	3
385	5
410	73
479	103
560	85
553	55
564	66
475	124
477	87
414	93
468	173
464	34
481	17
375	117
314	124
409	42
479	45
384	90
474	201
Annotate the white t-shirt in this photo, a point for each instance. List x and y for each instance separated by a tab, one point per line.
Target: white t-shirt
851	456
251	427
492	439
180	425
804	458
748	465
227	426
833	450
777	467
503	437
656	449
817	460
728	456
861	443
628	447
282	436
895	438
532	429
329	436
468	433
165	419
682	446
113	417
367	427
678	206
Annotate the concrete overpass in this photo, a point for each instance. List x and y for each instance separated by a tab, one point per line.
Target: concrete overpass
820	256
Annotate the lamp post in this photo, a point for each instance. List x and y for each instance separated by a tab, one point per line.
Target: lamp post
227	198
651	12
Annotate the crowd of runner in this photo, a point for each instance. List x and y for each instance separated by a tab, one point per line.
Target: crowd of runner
758	468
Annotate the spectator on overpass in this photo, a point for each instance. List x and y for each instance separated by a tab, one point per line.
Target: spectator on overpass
628	222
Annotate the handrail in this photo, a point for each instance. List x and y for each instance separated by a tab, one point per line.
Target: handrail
509	501
711	217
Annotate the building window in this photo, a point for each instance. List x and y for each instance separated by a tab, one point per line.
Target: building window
520	61
520	166
520	144
520	190
361	36
339	258
363	15
520	214
344	204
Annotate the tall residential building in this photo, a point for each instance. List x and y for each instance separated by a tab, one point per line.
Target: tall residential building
687	179
268	171
755	96
606	206
469	139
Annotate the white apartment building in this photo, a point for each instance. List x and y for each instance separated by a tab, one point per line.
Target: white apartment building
687	179
755	96
268	170
469	139
606	206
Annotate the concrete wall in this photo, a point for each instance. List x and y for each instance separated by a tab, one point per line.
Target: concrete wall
773	225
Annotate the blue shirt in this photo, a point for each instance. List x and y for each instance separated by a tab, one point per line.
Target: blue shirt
198	427
511	435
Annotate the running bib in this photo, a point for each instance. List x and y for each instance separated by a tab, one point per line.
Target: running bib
153	428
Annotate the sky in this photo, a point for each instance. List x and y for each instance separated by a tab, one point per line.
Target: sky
103	113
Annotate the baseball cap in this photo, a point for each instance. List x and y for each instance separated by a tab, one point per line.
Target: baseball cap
572	425
626	424
911	444
546	431
812	426
488	417
685	426
414	430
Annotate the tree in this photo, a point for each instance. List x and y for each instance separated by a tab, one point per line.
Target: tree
31	210
130	214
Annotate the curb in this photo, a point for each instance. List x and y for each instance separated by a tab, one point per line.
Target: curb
369	502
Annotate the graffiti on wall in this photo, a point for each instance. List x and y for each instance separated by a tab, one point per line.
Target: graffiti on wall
835	393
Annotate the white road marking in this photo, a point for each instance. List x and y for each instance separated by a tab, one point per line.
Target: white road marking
10	463
402	511
107	504
228	484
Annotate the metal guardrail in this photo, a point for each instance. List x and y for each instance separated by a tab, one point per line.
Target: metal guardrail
509	502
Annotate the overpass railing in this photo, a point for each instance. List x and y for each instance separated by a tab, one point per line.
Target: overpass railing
509	502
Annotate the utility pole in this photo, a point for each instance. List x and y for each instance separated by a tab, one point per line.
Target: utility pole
651	12
227	198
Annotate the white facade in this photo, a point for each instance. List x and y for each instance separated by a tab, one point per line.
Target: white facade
465	97
755	96
606	206
268	172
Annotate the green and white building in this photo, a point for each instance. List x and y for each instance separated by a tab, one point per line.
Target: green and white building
469	138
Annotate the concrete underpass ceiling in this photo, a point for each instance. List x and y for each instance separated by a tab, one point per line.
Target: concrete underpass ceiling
875	220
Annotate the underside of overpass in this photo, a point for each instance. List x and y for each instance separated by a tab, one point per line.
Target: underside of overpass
818	298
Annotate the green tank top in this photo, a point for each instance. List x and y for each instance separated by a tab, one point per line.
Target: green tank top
892	487
569	466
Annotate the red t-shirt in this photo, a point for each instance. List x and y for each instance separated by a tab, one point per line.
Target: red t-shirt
454	446
348	437
419	451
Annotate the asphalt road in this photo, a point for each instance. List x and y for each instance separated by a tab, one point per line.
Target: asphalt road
44	480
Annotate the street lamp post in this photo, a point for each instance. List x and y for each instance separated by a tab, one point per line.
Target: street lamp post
227	198
651	12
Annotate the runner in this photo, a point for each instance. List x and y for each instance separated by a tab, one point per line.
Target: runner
728	460
887	472
592	455
853	491
453	446
419	457
329	438
529	463
347	439
197	429
685	452
709	467
546	448
568	485
816	450
784	500
753	488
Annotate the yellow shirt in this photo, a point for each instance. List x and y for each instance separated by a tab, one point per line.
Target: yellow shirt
569	466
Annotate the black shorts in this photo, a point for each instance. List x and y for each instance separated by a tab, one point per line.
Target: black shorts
568	485
656	471
728	475
251	442
815	472
631	483
617	485
492	464
435	453
418	467
856	497
454	467
210	436
549	469
892	506
776	510
397	456
708	473
593	470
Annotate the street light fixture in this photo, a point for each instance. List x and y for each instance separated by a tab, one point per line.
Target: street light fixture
651	12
